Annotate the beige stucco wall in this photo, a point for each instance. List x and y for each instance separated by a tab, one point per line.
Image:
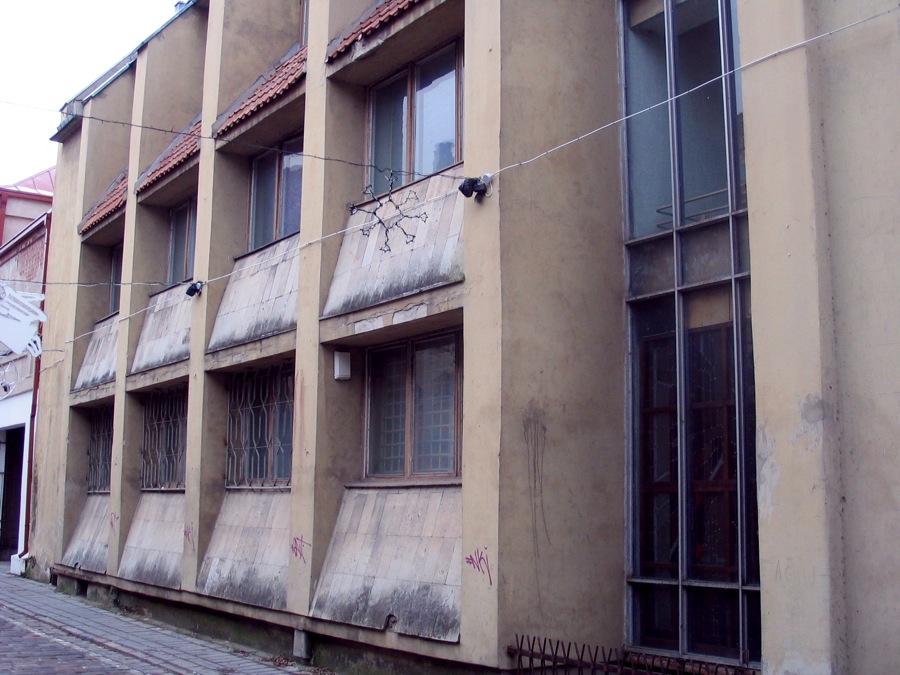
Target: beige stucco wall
542	313
858	98
821	144
561	324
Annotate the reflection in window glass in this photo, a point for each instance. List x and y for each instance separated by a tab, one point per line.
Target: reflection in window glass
389	121
436	113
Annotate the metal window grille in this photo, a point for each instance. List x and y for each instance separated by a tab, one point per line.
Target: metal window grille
100	449
165	440
260	427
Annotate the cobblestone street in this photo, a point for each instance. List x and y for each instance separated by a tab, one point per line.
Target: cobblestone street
44	631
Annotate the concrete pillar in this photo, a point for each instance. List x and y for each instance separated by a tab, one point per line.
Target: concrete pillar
798	444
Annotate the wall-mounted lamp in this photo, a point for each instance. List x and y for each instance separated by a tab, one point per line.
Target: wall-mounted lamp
194	288
476	186
342	365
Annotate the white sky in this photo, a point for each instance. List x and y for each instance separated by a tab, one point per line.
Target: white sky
49	51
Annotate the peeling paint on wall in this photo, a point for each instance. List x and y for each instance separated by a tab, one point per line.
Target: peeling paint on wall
261	297
90	542
431	255
166	334
99	363
767	472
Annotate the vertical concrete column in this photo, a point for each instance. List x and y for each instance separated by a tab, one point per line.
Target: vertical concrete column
222	195
798	442
326	451
144	255
482	339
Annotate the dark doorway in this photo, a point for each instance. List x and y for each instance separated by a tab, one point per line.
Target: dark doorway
11	495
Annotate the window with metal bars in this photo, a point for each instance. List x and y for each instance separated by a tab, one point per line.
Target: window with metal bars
100	449
693	582
414	402
260	427
165	440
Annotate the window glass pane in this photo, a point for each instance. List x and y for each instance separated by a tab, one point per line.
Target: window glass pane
387	414
754	621
436	113
651	266
751	517
262	206
435	406
713	622
291	186
389	120
115	279
658	469
656	438
701	112
712	444
738	113
177	245
656	616
706	253
649	167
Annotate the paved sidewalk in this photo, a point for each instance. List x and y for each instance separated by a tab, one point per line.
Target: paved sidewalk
44	631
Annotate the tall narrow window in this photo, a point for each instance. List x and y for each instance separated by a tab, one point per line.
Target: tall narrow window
416	121
165	440
183	228
100	449
115	279
414	404
275	194
260	427
694	584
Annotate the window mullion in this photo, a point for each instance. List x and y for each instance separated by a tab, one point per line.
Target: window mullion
409	173
409	448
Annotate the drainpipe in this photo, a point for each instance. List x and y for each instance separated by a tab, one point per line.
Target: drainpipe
29	463
3	199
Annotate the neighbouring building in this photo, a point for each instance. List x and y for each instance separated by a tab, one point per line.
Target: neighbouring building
640	390
24	223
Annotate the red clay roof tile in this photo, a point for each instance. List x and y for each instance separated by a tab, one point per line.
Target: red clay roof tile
185	146
380	15
109	205
265	90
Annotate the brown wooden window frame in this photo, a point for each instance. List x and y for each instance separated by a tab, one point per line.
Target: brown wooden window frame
409	72
410	426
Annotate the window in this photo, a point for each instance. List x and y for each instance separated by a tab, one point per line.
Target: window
275	198
260	427
416	121
694	583
304	22
100	448
115	279
165	440
183	228
414	403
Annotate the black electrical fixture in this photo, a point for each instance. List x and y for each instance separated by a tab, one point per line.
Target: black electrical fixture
194	288
476	186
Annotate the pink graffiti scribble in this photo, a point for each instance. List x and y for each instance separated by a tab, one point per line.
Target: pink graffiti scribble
298	547
113	519
189	535
479	561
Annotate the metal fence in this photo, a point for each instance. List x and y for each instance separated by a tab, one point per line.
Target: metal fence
165	440
100	448
260	427
543	655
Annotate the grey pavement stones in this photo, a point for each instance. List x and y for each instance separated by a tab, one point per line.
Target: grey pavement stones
44	631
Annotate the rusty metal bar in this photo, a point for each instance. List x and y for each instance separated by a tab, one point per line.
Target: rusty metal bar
535	654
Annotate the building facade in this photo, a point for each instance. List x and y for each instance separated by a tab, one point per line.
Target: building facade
25	224
639	390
